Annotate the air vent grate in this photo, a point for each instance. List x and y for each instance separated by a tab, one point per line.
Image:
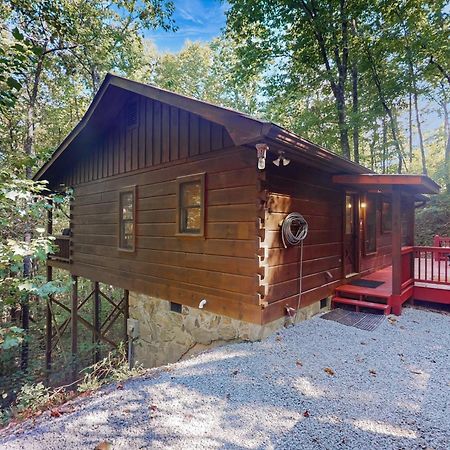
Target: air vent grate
132	114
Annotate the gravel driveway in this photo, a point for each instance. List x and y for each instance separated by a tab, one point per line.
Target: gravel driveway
318	385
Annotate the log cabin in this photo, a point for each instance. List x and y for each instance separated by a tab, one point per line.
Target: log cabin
181	204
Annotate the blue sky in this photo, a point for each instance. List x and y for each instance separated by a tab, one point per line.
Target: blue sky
197	20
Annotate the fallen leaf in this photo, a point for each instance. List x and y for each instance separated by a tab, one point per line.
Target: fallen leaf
235	372
55	413
329	371
153	407
416	372
299	363
306	413
119	386
278	338
105	445
373	372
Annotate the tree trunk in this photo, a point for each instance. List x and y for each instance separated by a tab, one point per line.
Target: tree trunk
355	109
410	128
343	128
29	151
447	147
416	109
383	162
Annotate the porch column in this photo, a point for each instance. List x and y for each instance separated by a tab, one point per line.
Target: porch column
396	250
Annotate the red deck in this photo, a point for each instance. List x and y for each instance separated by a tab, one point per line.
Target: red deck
425	276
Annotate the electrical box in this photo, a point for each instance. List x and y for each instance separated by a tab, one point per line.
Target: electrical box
132	328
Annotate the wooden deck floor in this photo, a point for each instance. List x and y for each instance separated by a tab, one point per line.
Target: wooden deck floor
428	289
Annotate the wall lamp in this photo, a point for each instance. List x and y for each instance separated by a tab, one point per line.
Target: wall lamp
261	152
281	159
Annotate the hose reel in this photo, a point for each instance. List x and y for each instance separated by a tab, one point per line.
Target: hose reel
294	230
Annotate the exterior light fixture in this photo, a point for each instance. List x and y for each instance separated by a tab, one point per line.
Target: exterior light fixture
363	204
281	160
261	151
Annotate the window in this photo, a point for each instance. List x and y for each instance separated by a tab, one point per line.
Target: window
370	225
386	217
190	212
127	216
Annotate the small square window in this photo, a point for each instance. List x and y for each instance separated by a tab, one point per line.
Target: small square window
127	218
190	213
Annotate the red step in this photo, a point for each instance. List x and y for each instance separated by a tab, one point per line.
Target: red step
361	304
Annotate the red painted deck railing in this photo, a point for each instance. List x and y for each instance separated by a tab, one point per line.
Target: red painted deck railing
441	241
431	265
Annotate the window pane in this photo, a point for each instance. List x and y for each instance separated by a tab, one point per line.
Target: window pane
386	215
126	200
349	214
371	224
127	234
191	194
192	219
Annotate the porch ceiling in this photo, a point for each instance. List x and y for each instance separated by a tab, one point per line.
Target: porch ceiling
415	184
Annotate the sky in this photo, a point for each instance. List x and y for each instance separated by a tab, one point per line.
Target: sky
197	20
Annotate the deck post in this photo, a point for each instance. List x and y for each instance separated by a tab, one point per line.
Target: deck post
396	251
96	320
48	325
126	295
74	327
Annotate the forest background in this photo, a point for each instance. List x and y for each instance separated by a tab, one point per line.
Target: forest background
366	79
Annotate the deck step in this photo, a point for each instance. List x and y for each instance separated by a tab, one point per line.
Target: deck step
361	304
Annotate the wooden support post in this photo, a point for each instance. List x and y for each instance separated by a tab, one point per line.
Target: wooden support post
96	320
74	326
48	326
126	294
396	251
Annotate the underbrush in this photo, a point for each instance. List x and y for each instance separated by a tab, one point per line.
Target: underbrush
33	399
432	219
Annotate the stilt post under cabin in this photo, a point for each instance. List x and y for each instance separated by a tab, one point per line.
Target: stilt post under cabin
396	251
74	327
126	295
48	325
96	320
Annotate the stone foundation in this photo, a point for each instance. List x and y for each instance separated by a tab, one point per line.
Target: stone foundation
166	336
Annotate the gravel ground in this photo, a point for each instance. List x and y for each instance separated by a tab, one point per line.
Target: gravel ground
385	389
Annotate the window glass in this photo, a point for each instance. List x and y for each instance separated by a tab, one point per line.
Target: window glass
386	217
190	207
349	214
191	204
371	224
126	220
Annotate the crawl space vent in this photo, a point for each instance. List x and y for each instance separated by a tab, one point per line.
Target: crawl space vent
175	307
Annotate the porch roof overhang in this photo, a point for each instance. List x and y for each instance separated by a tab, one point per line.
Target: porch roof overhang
414	184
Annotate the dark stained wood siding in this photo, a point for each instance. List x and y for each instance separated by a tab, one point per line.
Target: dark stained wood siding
163	134
310	192
221	267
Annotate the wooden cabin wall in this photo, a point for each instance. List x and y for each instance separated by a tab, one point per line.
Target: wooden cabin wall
222	266
298	188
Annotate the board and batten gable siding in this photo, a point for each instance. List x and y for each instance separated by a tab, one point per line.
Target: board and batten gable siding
162	134
222	266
